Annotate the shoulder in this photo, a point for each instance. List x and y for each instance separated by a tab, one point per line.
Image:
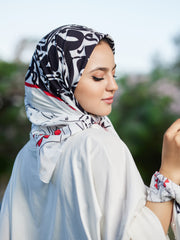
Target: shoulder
96	145
95	137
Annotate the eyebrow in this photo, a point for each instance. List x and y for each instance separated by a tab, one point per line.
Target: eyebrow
102	69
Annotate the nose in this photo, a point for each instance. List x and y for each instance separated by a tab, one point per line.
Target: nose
111	84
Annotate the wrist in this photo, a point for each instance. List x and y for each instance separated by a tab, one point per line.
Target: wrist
171	175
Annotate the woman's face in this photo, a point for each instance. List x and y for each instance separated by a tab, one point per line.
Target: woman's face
96	87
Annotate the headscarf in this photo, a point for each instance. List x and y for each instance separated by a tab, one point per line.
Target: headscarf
56	67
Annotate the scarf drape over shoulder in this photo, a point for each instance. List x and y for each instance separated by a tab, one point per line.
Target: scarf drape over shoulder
56	67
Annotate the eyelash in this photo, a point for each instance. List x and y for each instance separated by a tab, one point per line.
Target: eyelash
99	79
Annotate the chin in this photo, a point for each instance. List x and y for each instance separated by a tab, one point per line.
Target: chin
100	111
104	113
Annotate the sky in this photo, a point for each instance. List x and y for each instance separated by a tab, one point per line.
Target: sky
141	29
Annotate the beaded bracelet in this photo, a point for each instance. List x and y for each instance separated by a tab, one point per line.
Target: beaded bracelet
162	189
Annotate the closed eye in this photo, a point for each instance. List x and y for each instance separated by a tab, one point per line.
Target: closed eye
97	79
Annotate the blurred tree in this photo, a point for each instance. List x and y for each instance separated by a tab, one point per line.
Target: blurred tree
175	69
169	70
160	69
141	117
14	126
144	111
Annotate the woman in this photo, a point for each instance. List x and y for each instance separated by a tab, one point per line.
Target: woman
75	178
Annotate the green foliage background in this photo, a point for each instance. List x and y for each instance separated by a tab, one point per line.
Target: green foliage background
141	116
14	127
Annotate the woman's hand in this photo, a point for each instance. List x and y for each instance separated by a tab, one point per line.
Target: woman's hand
170	164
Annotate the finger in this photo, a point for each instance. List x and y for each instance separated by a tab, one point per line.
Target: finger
177	140
175	127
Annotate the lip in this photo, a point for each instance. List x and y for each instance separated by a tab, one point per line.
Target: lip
108	100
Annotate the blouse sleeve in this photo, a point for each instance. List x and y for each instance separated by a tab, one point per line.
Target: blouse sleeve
108	192
121	194
145	225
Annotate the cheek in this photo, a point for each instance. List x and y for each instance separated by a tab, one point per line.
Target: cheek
87	92
92	93
88	97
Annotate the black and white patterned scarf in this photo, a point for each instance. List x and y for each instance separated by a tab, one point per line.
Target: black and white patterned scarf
56	67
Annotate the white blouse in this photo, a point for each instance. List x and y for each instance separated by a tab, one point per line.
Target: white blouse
95	193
